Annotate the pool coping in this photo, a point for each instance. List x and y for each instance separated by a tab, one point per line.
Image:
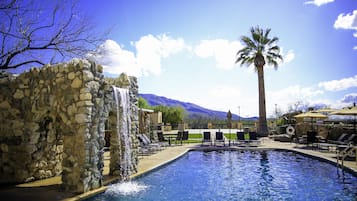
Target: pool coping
199	147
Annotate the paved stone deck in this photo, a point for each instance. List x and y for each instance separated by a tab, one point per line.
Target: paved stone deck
49	189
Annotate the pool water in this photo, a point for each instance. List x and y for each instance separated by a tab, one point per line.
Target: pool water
240	175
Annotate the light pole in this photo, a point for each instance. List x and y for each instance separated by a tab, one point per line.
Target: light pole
229	122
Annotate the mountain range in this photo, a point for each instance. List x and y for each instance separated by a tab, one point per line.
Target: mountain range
191	108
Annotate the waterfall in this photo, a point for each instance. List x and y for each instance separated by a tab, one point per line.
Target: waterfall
122	100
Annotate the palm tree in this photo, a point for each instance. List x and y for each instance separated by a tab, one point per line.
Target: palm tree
258	50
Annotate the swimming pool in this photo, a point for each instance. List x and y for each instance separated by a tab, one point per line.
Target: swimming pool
241	175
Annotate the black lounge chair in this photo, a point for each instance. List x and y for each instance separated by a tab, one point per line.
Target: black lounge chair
160	136
247	139
219	138
162	141
240	137
253	138
340	139
206	137
311	137
185	135
181	136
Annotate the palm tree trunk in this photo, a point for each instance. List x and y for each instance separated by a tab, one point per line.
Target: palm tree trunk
262	127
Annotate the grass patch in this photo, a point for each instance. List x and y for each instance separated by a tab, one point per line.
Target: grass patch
191	141
194	136
231	136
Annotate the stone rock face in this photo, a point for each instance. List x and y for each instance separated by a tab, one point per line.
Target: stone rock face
52	122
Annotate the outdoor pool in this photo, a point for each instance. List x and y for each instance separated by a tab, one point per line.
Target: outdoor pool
239	175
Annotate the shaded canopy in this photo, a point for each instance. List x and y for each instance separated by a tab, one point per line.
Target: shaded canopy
346	111
326	110
311	114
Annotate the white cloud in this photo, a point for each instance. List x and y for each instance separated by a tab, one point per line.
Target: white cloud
347	21
287	58
150	50
339	85
290	95
225	92
223	51
115	59
319	2
295	92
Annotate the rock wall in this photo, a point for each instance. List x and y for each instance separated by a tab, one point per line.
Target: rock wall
52	122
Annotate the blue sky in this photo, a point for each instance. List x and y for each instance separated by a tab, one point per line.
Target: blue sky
185	50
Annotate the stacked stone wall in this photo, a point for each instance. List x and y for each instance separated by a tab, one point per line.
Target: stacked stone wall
52	122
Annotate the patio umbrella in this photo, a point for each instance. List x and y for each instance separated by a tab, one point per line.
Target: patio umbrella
312	115
326	110
352	111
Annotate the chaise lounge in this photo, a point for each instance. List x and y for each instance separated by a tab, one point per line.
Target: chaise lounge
206	137
219	138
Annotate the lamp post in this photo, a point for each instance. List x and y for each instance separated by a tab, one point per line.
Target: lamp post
229	122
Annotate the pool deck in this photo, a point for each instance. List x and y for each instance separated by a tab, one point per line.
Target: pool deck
49	189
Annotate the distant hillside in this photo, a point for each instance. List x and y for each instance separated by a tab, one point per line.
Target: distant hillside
192	109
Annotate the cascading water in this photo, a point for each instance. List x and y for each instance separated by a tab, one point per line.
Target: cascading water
122	100
125	187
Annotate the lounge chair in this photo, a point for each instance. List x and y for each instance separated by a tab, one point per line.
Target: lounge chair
254	139
162	141
350	139
185	135
146	143
339	139
206	137
150	143
247	138
160	136
219	138
240	137
311	137
145	151
341	142
181	136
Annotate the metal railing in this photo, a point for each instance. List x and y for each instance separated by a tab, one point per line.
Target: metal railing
342	154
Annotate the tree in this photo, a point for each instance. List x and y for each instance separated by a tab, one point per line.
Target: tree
34	32
258	50
143	103
172	115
